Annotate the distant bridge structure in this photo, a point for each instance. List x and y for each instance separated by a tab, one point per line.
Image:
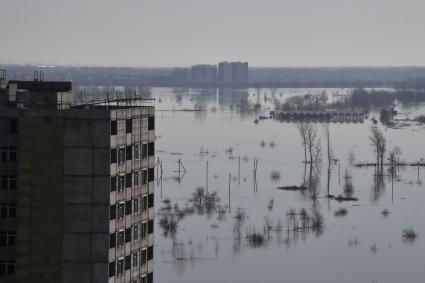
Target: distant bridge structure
341	116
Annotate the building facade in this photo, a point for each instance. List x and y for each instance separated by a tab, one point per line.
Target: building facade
182	75
76	188
233	72
204	74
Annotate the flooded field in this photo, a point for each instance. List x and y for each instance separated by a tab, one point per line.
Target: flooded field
225	219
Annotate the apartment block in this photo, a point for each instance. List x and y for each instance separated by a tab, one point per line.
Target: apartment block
233	72
76	187
204	74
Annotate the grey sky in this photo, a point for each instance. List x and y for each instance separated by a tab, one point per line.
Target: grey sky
184	32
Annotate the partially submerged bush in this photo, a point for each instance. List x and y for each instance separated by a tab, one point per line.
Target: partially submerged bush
341	212
275	176
256	239
409	235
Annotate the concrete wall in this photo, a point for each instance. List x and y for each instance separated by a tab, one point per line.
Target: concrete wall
63	196
86	198
40	200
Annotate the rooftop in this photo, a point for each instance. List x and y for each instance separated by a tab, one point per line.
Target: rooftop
39	85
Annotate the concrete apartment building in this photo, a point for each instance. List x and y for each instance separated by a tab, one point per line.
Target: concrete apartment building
233	72
76	188
204	74
182	75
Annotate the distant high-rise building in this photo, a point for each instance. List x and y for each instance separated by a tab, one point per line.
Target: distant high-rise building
182	75
204	74
233	72
76	188
225	74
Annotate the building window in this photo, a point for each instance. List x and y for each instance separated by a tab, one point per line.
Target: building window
121	183
120	267
12	153
144	230
150	252
121	155
128	126
8	182
113	128
121	210
151	174
127	262
4	182
128	152
144	203
135	260
151	148
151	123
3	210
113	155
113	184
150	227
8	153
4	153
10	269
120	238
12	182
128	207
7	267
151	201
13	126
136	233
143	257
128	180
112	269
3	238
144	177
7	238
113	212
136	151
12	210
11	238
144	151
150	277
135	206
136	179
143	279
112	240
2	268
128	235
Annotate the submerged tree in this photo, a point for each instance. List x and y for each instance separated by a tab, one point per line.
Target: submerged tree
329	150
379	145
302	129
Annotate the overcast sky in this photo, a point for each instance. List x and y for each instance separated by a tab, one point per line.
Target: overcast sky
184	32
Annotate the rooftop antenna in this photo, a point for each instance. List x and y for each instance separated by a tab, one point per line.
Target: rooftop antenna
38	75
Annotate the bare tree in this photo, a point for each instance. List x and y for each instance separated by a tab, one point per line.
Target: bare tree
302	129
311	139
379	144
314	150
329	151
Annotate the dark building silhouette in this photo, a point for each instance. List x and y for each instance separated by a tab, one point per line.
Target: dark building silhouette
233	72
76	188
204	74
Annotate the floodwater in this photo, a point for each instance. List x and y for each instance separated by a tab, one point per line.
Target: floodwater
365	244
